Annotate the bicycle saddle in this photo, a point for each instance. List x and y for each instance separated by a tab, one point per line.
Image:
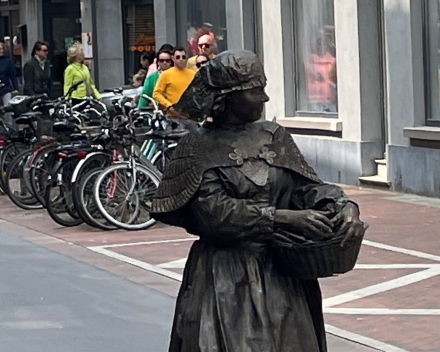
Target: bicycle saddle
170	134
63	127
27	118
75	137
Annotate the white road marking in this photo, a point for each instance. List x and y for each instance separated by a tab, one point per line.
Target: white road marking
402	250
430	270
138	263
381	311
145	243
366	341
382	287
395	266
177	264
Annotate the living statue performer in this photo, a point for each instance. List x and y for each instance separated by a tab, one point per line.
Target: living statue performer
233	184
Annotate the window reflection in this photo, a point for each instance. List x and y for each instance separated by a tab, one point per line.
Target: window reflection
140	35
316	73
198	17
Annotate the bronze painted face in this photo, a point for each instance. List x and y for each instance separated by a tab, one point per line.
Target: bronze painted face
249	104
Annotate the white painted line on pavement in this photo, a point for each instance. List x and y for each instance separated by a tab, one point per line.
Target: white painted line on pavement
177	264
381	311
379	288
366	341
402	250
431	270
395	266
145	243
138	263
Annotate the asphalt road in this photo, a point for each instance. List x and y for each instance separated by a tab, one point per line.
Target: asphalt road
51	303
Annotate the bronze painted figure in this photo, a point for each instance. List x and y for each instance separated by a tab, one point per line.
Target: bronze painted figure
236	184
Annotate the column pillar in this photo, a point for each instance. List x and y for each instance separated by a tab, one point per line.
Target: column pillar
31	14
404	67
358	60
272	39
108	41
358	69
165	22
87	26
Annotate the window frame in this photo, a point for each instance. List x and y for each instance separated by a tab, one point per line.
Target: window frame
427	68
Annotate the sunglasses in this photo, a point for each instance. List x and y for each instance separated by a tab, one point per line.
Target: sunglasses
167	61
183	57
205	45
200	64
45	50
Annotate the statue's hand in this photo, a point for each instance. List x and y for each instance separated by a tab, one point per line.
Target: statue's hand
348	222
311	223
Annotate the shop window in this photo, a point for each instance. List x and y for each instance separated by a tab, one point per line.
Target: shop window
198	17
9	21
314	57
139	35
432	59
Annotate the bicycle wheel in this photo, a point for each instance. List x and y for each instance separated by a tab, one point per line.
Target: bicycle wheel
9	153
58	197
40	172
162	159
97	161
85	203
123	195
16	187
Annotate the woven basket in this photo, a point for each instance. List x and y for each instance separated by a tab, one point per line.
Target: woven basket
309	261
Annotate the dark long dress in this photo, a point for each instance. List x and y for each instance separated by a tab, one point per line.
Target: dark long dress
233	297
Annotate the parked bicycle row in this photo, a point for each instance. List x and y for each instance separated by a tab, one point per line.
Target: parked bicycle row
86	163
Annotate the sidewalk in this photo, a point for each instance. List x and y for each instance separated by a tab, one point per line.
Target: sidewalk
390	302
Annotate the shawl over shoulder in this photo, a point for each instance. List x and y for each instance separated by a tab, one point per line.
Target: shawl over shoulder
198	153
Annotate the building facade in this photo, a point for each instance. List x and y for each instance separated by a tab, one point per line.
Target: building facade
356	82
117	33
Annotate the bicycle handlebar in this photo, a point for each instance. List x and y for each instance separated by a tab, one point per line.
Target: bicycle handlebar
156	107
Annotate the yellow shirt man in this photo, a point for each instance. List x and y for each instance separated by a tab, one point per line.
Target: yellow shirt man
171	85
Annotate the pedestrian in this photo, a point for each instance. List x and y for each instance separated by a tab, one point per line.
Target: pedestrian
147	60
36	72
233	184
164	63
8	81
138	83
201	60
154	66
206	46
206	29
173	82
76	72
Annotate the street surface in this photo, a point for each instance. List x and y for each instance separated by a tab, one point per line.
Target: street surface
80	289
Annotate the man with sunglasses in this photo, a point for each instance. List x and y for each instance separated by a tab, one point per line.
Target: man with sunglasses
173	82
164	62
206	46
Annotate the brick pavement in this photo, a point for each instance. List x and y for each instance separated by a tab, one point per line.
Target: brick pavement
392	297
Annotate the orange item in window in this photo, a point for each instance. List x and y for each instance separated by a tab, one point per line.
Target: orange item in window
319	83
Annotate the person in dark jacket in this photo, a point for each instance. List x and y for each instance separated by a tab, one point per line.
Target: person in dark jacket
36	72
8	80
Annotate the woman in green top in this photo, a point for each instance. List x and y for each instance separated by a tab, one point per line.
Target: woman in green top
75	72
164	63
